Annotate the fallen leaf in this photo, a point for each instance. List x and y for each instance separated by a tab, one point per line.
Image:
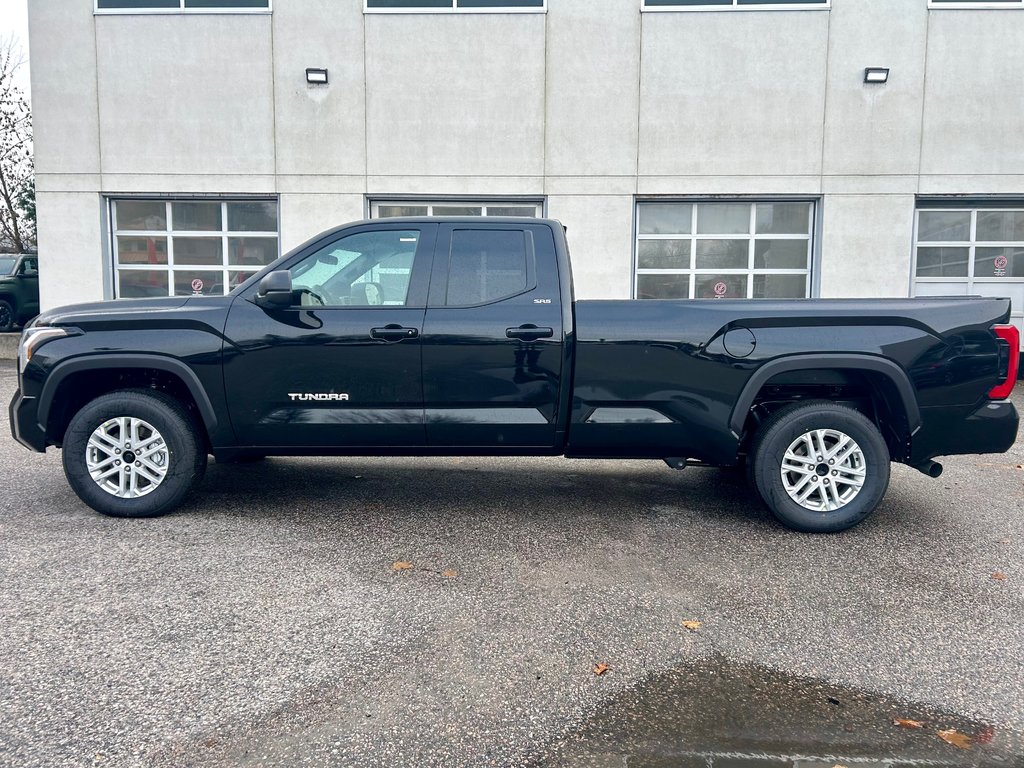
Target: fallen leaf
902	722
837	765
957	739
600	669
999	576
400	565
693	626
449	573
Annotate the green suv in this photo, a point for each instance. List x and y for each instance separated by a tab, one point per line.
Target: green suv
19	289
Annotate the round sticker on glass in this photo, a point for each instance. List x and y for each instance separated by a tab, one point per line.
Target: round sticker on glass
197	285
1001	262
721	289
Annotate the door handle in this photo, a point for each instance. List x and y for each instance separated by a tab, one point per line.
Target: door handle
529	332
393	332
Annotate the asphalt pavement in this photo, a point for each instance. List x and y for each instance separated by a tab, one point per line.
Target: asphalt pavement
265	623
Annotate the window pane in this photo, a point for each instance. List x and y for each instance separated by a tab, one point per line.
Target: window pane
663	286
198	250
227	3
141	250
723	219
665	218
721	287
1001	225
365	269
527	211
780	286
944	226
486	265
141	283
236	278
682	3
999	262
408	3
104	4
252	251
722	254
663	254
501	3
942	262
140	214
458	210
191	282
391	211
196	217
784	218
781	254
256	216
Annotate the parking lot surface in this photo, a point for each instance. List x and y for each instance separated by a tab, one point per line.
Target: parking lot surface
265	622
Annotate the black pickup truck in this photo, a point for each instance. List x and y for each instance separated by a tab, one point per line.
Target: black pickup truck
461	336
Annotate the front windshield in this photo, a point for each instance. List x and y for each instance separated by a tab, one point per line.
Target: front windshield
7	264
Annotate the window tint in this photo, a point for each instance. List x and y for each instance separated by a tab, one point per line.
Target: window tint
365	269
486	265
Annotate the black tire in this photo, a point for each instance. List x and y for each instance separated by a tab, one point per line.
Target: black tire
6	317
186	453
788	424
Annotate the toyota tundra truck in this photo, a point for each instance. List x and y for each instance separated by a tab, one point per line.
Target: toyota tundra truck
451	336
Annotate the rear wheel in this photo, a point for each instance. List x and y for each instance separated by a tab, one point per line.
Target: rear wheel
820	467
133	453
6	317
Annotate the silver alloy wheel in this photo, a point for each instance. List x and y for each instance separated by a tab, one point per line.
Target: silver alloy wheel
127	457
823	470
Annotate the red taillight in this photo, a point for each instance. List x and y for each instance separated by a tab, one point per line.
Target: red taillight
1011	336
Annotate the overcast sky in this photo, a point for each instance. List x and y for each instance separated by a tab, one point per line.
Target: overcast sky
14	21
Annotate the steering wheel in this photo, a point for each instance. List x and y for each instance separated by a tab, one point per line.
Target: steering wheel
324	295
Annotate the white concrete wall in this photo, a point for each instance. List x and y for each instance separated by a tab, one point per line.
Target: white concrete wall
589	106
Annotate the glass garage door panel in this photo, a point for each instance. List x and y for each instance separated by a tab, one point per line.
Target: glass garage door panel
971	251
723	249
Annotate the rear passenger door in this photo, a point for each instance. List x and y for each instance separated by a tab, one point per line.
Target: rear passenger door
493	338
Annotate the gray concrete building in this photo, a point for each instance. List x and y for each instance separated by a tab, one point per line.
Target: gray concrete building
693	148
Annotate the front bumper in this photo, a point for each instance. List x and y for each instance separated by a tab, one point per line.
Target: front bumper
990	428
24	426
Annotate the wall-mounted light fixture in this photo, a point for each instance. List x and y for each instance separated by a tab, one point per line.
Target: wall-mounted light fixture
876	75
316	76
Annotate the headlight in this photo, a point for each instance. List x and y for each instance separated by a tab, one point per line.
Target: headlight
32	338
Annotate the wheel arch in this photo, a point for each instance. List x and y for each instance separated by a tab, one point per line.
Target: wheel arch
108	372
876	369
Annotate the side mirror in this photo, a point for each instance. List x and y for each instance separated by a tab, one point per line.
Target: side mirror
275	290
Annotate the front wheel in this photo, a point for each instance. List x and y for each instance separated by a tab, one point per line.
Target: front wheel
820	467
133	453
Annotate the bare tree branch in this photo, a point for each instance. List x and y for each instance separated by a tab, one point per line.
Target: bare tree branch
17	169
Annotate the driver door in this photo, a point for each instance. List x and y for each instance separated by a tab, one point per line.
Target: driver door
341	366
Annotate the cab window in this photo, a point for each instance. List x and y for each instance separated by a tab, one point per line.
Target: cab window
364	269
486	265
